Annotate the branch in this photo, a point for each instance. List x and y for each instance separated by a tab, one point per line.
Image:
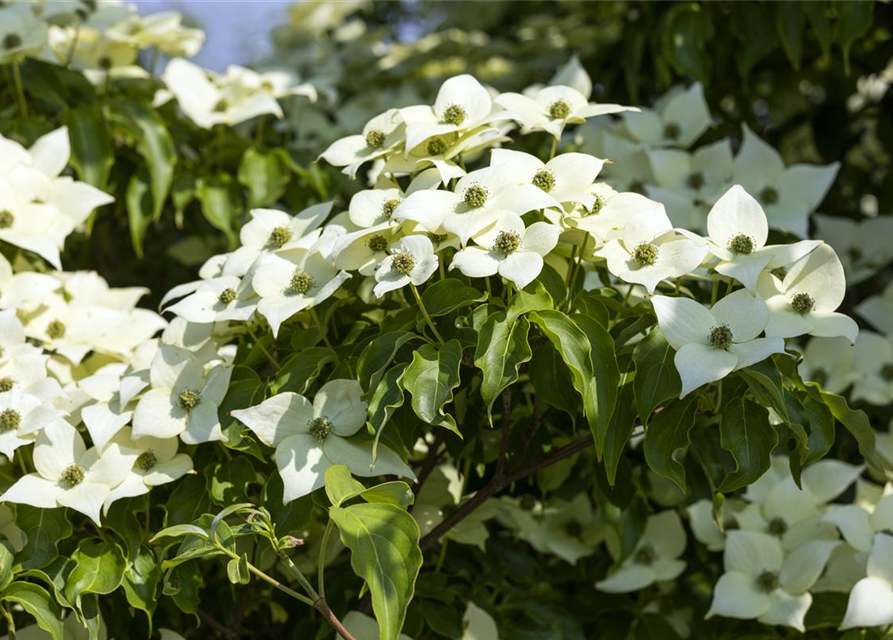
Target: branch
321	606
506	431
220	628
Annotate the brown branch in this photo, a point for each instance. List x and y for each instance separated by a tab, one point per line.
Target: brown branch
321	606
220	628
496	485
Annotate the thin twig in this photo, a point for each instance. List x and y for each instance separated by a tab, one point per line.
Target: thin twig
219	627
506	431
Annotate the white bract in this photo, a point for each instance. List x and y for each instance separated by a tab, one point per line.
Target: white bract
310	438
566	177
678	119
863	245
877	310
871	600
412	261
380	136
711	343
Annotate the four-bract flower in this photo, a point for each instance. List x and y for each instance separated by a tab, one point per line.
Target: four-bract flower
69	474
806	300
871	600
678	119
567	177
380	136
762	582
655	558
877	310
510	250
863	246
412	260
24	413
216	300
711	343
309	438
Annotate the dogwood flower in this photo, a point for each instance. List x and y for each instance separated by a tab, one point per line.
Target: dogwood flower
568	530
289	285
829	361
805	301
23	291
215	300
710	344
678	119
552	108
647	251
788	194
871	600
363	250
703	524
480	198
309	438
861	244
510	250
21	32
68	474
412	260
24	413
163	30
381	135
762	582
877	310
655	558
738	230
183	400
566	177
872	370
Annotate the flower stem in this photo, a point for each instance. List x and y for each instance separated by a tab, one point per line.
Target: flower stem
321	328
321	561
554	147
268	579
10	622
260	346
20	89
715	292
421	304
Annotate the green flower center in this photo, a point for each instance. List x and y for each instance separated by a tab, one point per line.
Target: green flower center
777	526
559	110
646	254
6	384
820	376
886	372
389	207
146	460
375	139
454	114
544	179
436	146
802	303
742	244
377	242
645	556
10	420
695	180
574	529
11	41
780	272
105	62
55	330
73	475
597	205
189	399
279	237
221	106
769	195
301	281
672	131
475	196
506	242
320	428
227	295
403	263
6	219
767	581
720	337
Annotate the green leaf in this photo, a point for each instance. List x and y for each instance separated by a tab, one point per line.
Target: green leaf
448	295
377	356
99	568
622	423
237	570
180	530
430	378
745	432
756	35
299	371
687	32
551	379
138	199
44	529
857	423
656	378
667	436
384	544
525	302
853	22
6	560
764	381
501	350
601	394
141	582
37	601
340	485
188	501
571	344
388	397
92	153
790	21
265	175
221	203
817	13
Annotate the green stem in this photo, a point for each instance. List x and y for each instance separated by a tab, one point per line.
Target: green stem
321	562
554	147
715	292
299	575
730	287
10	622
259	132
268	579
22	465
320	328
421	304
260	346
629	292
718	405
20	89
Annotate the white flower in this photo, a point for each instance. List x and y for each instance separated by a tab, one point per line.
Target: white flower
553	108
510	250
703	525
611	211
309	438
287	286
738	231
710	344
216	300
688	183
477	624
829	361
788	194
678	119
878	310
23	291
568	530
761	582
364	249
183	400
567	177
871	600
480	198
155	462
872	372
805	301
412	260
164	31
655	558
21	364
21	33
647	251
69	474
862	245
380	136
24	413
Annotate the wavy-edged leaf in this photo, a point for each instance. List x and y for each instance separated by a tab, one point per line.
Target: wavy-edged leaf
99	568
37	601
656	378
501	350
667	435
430	378
745	432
